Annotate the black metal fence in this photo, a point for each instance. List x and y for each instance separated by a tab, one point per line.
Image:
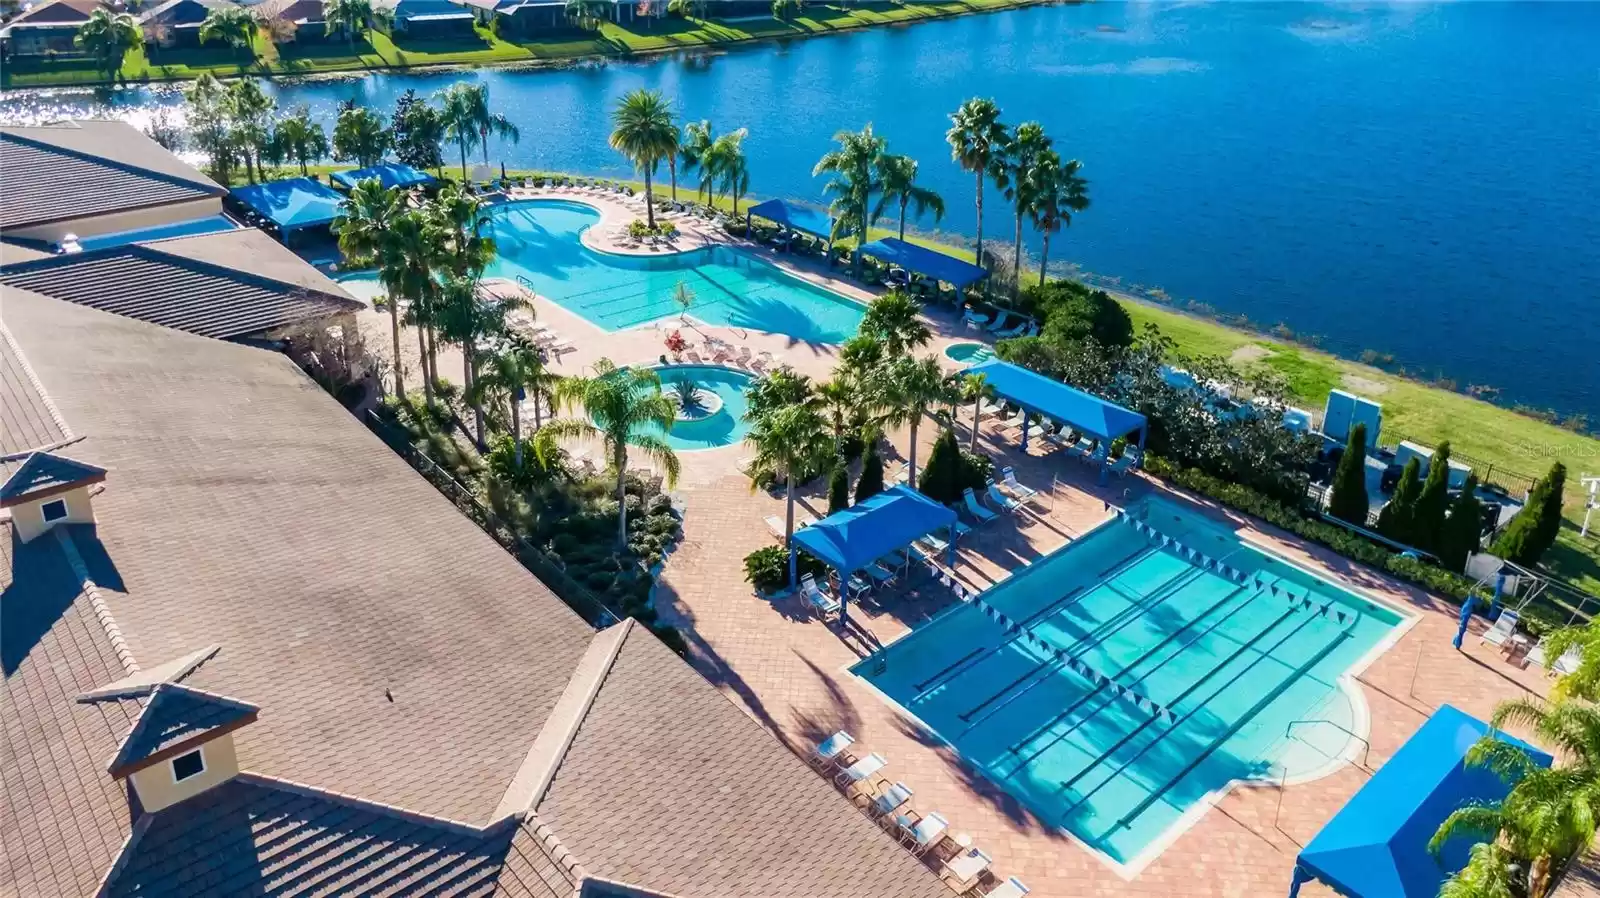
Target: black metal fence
575	594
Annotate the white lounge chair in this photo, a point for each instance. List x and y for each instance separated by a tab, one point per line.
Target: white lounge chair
968	866
974	318
1011	888
926	833
887	803
831	749
1015	331
1020	490
1566	664
1504	626
975	508
1001	500
862	770
825	603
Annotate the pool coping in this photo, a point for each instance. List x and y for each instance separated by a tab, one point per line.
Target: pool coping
1347	682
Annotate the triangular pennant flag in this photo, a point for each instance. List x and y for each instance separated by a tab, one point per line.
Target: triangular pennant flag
1274	588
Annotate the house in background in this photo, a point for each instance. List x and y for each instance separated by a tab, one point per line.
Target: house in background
176	23
47	29
521	18
300	20
427	20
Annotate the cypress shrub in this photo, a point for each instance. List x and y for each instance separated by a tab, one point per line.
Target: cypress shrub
1462	529
870	483
1349	499
943	477
1427	524
1396	519
1534	528
838	488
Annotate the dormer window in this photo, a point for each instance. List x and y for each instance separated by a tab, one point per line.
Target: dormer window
47	491
54	510
187	765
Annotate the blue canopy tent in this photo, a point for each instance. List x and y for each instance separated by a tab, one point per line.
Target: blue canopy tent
794	217
1377	845
389	174
956	272
1039	395
852	539
291	205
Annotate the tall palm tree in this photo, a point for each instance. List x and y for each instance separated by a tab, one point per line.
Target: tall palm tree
475	97
365	219
353	17
854	167
620	404
299	137
731	166
1550	813
975	389
899	176
895	320
790	442
108	36
362	136
840	401
233	25
693	148
1023	181
672	160
466	317
1061	192
409	255
457	116
514	372
644	132
977	139
911	387
249	114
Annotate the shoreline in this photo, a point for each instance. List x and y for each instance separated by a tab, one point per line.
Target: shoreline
600	46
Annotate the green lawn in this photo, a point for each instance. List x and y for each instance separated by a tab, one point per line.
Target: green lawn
486	48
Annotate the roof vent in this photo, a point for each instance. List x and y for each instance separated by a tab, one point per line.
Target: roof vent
45	490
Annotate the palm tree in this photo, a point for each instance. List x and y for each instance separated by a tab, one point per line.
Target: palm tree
899	176
299	137
353	17
587	13
1023	181
512	373
976	139
457	116
645	133
108	36
620	404
465	250
975	389
363	226
732	168
895	320
410	255
466	317
790	442
233	25
361	135
1061	193
249	112
1550	813
475	97
854	167
672	160
693	148
840	401
911	386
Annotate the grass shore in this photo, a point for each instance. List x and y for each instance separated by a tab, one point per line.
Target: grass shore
380	52
1496	441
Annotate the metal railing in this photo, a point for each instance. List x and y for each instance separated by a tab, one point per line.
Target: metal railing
549	571
1283	778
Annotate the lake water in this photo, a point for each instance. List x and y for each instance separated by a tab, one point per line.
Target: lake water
1416	179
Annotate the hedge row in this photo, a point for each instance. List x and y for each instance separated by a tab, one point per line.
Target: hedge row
1437	580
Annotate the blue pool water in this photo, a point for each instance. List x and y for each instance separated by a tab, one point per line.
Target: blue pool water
540	240
1316	164
363	285
210	224
1231	661
723	427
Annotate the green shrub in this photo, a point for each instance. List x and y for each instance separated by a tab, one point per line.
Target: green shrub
838	488
870	483
1396	519
1427	523
767	568
1535	527
1349	499
976	469
1462	529
943	477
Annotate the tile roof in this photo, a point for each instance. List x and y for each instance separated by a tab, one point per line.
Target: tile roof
62	819
670	786
44	473
77	170
27	420
175	715
59	12
169	283
253	836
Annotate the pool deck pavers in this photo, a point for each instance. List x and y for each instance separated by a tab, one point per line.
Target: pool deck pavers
789	670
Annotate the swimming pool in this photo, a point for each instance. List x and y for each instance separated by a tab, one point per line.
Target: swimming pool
540	240
1117	685
363	285
209	224
968	353
723	422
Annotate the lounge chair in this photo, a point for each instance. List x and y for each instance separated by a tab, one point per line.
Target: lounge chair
1020	490
974	318
862	770
831	749
744	357
1015	331
824	603
1011	888
1566	664
880	574
777	526
925	834
934	543
1004	502
887	803
999	322
1504	626
968	866
975	508
1121	466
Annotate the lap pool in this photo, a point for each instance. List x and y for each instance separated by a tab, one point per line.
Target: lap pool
1117	685
539	240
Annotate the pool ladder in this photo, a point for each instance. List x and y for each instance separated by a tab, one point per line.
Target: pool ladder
1283	779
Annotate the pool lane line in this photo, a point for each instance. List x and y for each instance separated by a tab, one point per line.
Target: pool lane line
1238	724
1099	634
922	686
1188	714
1038	731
